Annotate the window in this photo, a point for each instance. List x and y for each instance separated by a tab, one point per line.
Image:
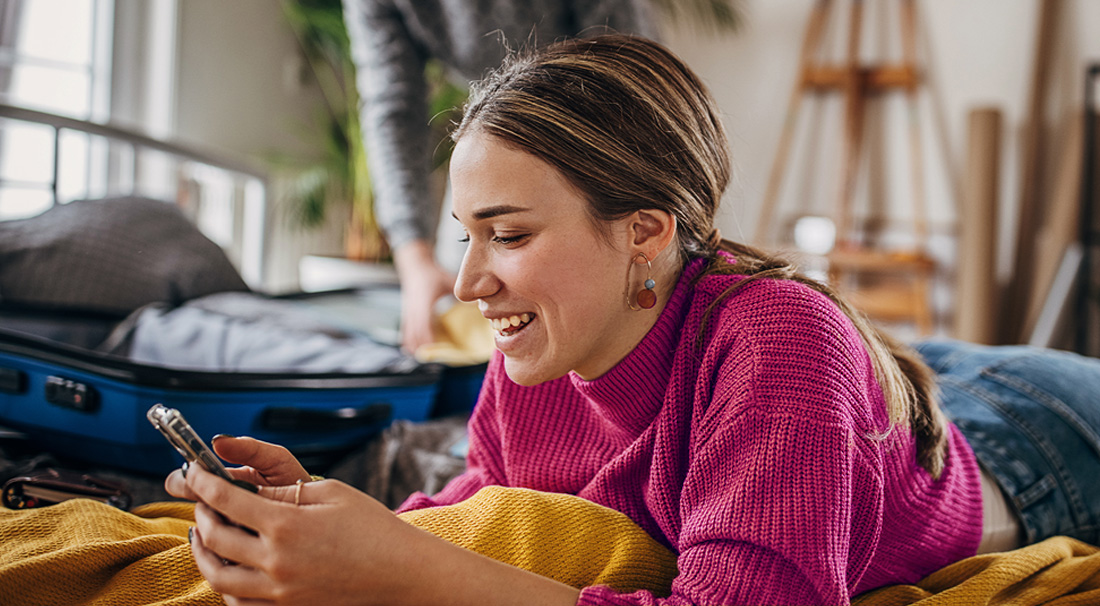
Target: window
87	111
55	57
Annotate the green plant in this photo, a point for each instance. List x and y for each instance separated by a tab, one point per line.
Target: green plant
340	176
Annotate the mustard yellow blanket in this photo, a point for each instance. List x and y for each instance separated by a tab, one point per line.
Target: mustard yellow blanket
82	552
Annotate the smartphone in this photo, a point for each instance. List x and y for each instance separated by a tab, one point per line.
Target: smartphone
179	433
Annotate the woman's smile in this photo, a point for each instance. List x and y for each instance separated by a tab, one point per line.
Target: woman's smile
511	325
510	332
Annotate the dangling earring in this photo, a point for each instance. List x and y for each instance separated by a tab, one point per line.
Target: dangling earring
646	297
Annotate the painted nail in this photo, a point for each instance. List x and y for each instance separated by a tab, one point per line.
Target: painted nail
183	469
190	534
221	435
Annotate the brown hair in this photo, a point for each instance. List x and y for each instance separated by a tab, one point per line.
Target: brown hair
631	127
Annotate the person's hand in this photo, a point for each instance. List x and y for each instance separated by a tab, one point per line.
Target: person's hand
262	464
423	282
327	543
335	546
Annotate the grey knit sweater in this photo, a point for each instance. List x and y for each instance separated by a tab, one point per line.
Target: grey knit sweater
391	41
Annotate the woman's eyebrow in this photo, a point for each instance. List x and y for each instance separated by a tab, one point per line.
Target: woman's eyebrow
495	211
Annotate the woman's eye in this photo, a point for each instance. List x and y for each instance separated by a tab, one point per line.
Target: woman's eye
464	239
509	239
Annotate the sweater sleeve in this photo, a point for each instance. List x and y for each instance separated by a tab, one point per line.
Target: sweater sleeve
781	503
397	135
484	461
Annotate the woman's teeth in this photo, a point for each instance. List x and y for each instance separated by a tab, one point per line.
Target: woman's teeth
509	325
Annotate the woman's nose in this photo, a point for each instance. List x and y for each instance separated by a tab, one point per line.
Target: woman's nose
475	278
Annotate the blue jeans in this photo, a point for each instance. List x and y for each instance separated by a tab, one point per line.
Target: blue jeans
1032	417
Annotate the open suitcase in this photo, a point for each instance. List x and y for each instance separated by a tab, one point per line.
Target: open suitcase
89	406
304	371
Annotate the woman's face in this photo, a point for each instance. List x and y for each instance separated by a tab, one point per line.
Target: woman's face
536	260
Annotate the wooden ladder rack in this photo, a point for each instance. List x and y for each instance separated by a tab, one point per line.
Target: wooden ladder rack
904	296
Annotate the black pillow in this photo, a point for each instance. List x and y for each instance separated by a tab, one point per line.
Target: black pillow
110	255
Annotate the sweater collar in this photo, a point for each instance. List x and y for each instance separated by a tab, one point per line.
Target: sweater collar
630	394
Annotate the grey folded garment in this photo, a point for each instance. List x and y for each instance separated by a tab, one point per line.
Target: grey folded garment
246	332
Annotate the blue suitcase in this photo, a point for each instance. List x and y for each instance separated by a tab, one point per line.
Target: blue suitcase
91	407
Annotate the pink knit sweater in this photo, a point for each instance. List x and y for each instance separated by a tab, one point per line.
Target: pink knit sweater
764	458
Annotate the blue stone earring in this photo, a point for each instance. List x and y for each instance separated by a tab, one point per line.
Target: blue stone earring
646	297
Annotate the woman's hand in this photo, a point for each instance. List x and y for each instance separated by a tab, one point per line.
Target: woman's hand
327	543
337	546
263	464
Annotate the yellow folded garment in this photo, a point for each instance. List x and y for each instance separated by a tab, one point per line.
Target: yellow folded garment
560	536
85	552
1059	571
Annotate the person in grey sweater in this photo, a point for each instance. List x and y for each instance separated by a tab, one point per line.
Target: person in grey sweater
391	40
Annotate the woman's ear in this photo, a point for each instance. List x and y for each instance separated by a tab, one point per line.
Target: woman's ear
651	231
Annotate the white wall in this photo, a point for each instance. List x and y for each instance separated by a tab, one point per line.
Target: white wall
241	87
975	53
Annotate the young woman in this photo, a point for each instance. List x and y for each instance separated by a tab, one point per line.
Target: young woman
741	415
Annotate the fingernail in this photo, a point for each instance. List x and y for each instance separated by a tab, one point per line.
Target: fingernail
183	469
221	435
190	534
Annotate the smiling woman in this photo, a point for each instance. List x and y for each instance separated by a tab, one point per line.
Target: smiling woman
587	178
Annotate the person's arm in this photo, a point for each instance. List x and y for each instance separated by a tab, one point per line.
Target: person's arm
394	116
423	282
398	141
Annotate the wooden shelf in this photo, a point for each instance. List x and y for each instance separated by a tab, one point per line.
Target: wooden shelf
825	77
888	303
901	290
879	261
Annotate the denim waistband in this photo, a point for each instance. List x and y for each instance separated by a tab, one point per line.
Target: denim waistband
1032	418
